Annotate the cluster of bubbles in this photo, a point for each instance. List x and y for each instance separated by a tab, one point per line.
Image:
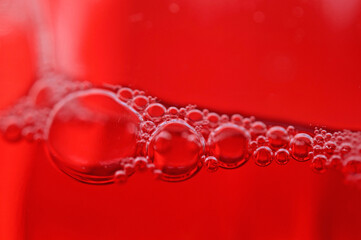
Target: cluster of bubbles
340	150
26	119
104	135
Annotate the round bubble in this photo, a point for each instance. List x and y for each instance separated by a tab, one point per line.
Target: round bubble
277	137
229	144
301	147
263	156
176	149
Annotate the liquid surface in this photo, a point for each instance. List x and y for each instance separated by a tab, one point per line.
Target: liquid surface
100	136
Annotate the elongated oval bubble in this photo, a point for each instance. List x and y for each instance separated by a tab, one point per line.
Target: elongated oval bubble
91	134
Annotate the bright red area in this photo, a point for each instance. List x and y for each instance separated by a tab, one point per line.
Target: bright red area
294	61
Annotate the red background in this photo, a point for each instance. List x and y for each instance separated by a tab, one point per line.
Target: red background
291	61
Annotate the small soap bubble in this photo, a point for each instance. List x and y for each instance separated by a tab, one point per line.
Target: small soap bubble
205	112
319	163
140	164
173	111
291	130
328	136
211	164
317	149
213	119
194	116
129	169
330	147
282	156
301	147
253	145
190	107
155	112
319	139
140	102
277	137
261	140
12	130
158	174
335	162
224	118
125	94
247	123
176	149
229	144
345	148
258	128
182	112
120	177
237	119
263	156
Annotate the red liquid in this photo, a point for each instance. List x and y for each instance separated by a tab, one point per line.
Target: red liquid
208	61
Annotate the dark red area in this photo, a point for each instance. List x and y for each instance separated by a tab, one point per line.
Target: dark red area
291	61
